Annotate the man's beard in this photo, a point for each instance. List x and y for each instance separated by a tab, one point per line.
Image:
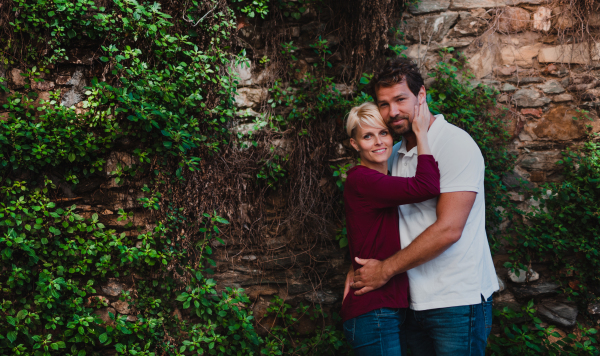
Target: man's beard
400	130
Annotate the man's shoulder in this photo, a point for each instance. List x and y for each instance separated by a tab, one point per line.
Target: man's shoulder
453	139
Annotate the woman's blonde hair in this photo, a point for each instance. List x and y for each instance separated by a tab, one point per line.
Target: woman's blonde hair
367	114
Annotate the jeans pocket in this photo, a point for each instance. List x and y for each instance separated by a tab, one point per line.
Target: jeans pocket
487	312
349	329
388	311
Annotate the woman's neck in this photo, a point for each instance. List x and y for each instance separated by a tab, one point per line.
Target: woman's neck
380	167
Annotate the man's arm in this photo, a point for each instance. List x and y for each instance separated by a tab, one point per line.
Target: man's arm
452	213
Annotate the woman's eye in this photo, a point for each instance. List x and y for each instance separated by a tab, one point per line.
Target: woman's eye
384	133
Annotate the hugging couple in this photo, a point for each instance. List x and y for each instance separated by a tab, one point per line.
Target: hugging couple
422	275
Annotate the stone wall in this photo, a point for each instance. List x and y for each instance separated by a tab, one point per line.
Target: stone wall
510	45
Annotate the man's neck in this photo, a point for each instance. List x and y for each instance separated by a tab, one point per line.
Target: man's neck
411	139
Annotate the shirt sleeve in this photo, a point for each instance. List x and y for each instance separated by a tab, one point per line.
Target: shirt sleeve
461	165
383	191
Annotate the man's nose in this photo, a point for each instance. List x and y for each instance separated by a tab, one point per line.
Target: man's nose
394	110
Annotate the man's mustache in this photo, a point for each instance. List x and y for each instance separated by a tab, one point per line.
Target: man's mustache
399	117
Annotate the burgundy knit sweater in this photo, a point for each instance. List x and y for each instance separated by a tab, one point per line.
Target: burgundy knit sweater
371	200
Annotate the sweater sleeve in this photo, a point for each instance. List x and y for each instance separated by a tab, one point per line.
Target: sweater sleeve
384	191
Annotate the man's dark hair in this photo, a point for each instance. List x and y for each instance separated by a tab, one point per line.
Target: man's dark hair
394	71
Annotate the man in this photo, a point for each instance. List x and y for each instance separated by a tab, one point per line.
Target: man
444	244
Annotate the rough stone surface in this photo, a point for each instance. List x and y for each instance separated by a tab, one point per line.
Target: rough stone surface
551	87
103	315
483	59
594	309
535	290
425	6
540	160
558	313
525	80
558	124
542	19
515	181
249	97
113	288
488	4
562	98
501	285
529	98
563	18
244	73
122	307
254	292
76	93
118	158
532	112
572	53
520	55
428	28
505	70
322	297
16	78
513	20
507	88
470	26
522	277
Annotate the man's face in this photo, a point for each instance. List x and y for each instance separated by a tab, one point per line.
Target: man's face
397	107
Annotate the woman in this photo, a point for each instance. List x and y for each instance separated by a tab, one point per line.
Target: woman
372	321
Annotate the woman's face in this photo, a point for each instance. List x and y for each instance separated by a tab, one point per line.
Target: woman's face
374	144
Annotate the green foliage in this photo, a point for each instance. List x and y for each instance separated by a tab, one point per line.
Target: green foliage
564	224
165	86
285	336
532	337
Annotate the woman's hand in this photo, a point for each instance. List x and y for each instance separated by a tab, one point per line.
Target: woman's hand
420	126
349	280
421	120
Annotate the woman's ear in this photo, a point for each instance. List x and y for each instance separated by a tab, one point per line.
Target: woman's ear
354	144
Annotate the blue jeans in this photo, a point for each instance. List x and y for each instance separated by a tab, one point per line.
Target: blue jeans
377	333
454	331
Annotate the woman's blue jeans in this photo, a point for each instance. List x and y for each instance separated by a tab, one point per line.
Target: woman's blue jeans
377	333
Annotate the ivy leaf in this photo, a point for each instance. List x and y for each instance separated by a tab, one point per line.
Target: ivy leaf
103	338
12	336
71	33
71	157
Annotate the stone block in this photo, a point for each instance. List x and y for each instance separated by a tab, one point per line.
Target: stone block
563	19
561	314
513	20
76	93
426	6
529	98
244	73
532	112
416	51
551	87
519	55
508	88
484	57
122	307
113	288
505	70
322	297
525	80
542	19
17	80
537	290
43	85
523	276
115	159
559	124
425	28
573	53
470	26
105	317
488	4
540	160
249	97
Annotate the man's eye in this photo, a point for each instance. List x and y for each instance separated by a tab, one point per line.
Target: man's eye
366	137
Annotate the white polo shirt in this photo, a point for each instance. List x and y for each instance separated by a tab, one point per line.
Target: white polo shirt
465	271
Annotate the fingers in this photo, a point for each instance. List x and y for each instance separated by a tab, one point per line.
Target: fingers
361	261
363	291
357	285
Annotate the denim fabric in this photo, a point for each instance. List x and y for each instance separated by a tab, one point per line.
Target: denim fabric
377	333
454	331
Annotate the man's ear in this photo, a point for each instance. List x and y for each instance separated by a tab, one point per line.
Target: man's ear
422	95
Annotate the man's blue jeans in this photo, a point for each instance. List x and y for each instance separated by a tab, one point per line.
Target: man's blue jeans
377	333
454	331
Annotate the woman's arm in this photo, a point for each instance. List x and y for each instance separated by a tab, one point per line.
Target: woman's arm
349	280
385	191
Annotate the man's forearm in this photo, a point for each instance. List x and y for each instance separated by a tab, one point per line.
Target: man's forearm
431	243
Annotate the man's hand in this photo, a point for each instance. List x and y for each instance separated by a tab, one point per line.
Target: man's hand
349	280
370	276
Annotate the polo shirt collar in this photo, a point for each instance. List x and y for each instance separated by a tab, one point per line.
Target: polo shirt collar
432	134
